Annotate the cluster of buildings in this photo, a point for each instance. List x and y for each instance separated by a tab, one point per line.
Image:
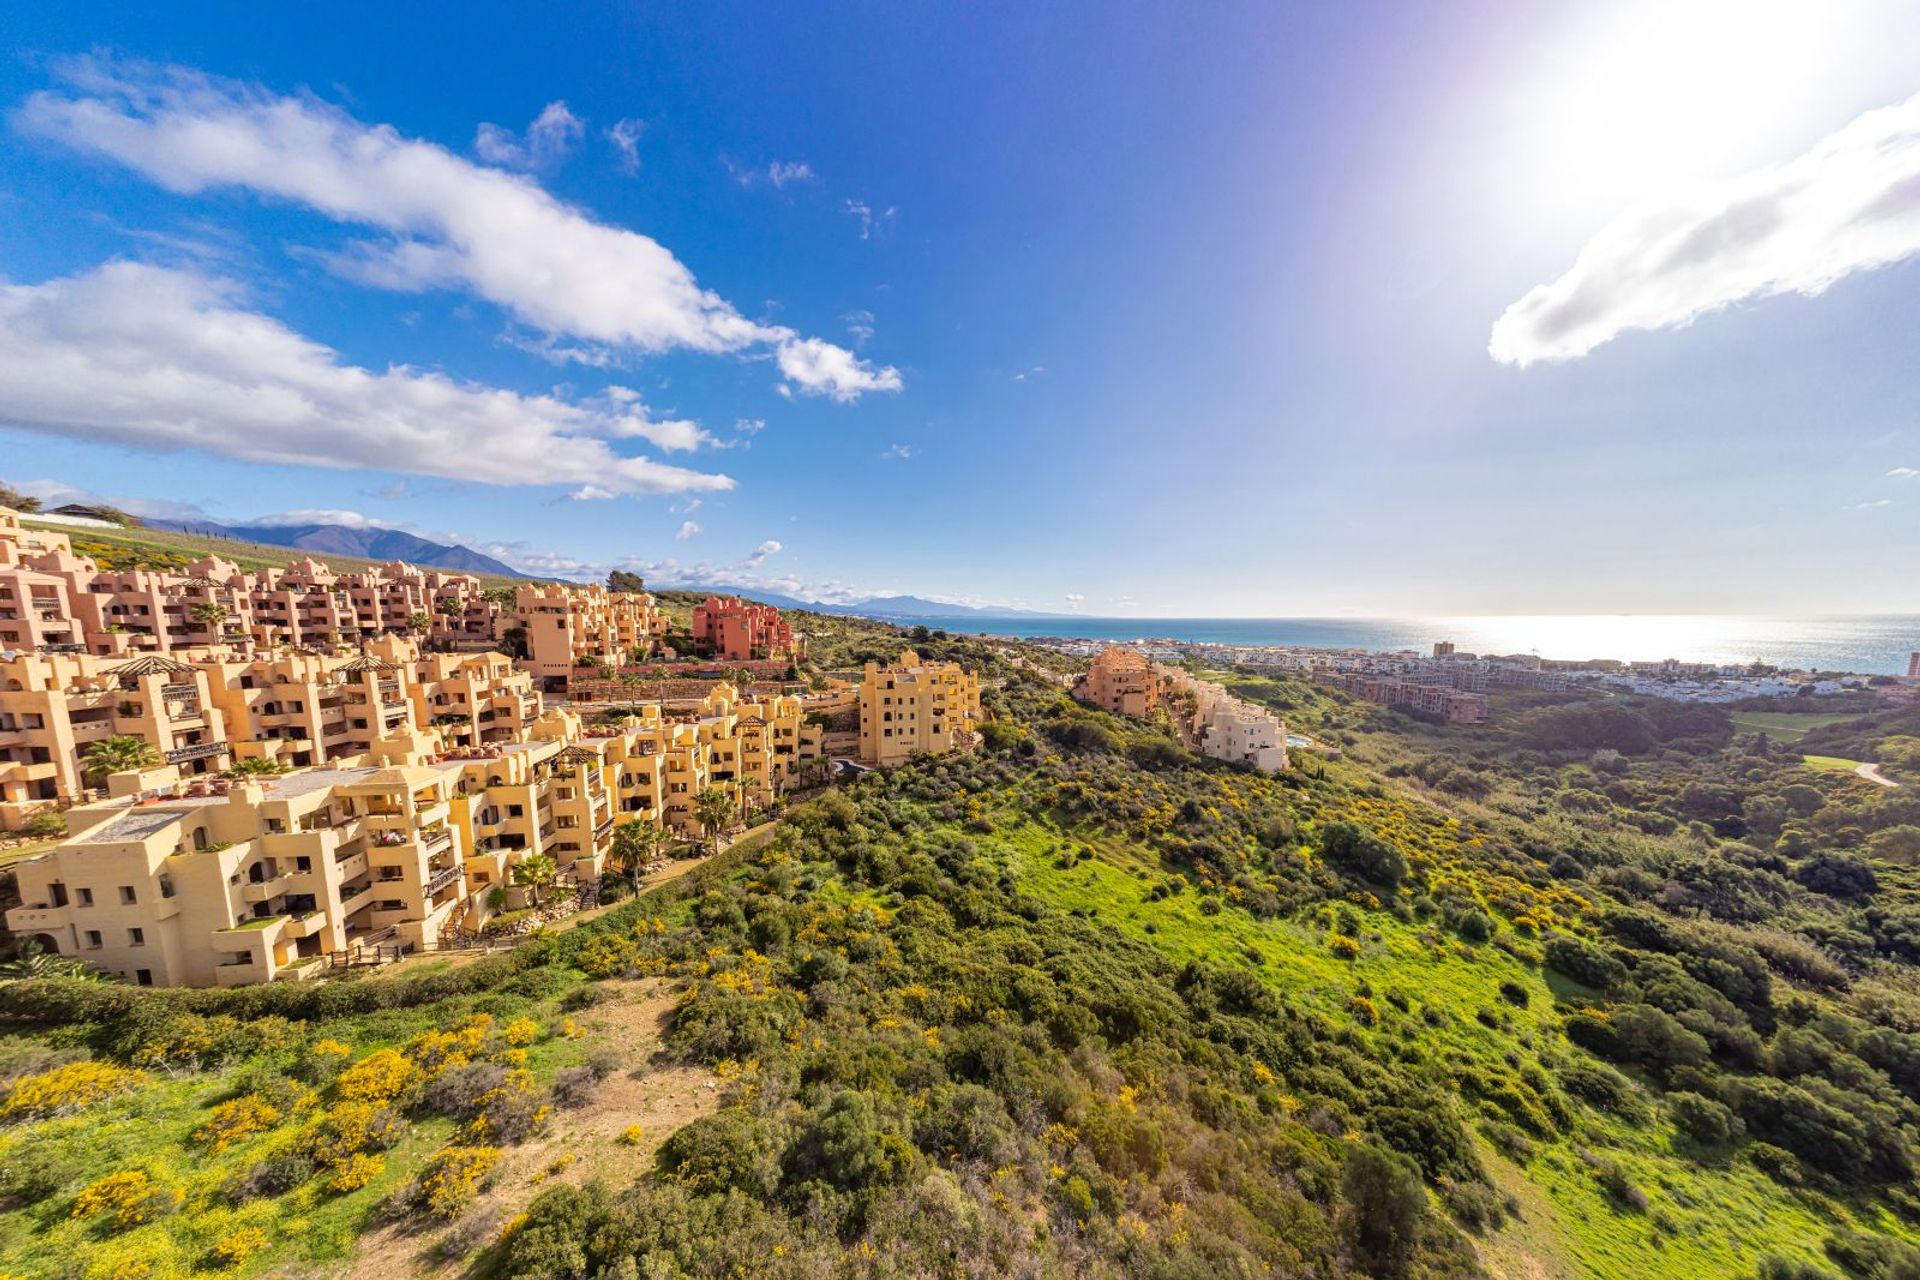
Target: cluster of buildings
1431	696
53	600
737	630
1207	717
345	765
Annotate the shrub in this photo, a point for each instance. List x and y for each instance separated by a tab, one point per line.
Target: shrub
236	1247
1363	853
632	1135
377	1078
274	1176
236	1121
1515	994
1387	1202
130	1196
356	1171
575	1086
1343	946
452	1178
1702	1119
1583	962
349	1128
72	1087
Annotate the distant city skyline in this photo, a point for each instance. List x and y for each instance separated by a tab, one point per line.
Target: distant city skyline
1250	311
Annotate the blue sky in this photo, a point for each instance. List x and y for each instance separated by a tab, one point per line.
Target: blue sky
1225	310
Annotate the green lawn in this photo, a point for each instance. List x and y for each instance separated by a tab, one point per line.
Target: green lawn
1830	764
1785	724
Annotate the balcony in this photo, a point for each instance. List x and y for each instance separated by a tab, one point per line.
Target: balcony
196	751
440	880
29	919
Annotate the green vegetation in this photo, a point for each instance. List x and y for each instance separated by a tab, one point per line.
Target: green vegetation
1608	988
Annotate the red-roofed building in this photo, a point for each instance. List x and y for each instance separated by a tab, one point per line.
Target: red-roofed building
740	631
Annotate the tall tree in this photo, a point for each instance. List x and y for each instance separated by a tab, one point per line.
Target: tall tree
634	845
713	809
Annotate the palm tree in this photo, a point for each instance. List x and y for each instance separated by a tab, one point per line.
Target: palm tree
633	847
209	614
116	755
713	810
535	872
631	682
419	620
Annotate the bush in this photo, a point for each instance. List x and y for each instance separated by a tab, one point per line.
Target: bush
274	1176
1363	853
1583	962
1387	1205
236	1121
356	1171
452	1178
130	1196
236	1247
1702	1119
65	1089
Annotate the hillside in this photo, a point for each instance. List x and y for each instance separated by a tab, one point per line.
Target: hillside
362	542
1603	989
169	549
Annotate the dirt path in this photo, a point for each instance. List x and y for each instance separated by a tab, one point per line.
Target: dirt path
581	1143
1871	772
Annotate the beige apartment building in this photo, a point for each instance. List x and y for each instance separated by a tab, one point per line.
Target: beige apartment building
53	707
570	626
294	707
1121	681
1224	727
204	882
914	708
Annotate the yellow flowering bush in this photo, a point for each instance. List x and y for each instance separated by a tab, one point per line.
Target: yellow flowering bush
378	1077
348	1129
237	1121
453	1178
1343	946
356	1171
631	1135
1364	1011
521	1032
68	1088
130	1196
234	1249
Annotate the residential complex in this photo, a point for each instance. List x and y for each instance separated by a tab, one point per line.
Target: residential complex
913	708
1121	681
210	882
568	626
218	706
1223	727
741	631
1428	697
54	599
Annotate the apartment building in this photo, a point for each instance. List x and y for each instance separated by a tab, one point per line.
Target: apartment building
1436	699
913	708
1223	727
737	630
297	708
55	706
52	598
569	626
220	884
1121	681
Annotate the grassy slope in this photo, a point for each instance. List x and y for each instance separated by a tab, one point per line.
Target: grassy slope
165	546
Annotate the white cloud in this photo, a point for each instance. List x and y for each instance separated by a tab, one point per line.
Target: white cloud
688	529
1075	599
319	515
552	136
870	222
1869	506
58	493
860	325
781	173
625	137
822	369
1850	203
447	221
1903	473
165	359
898	452
1034	372
760	554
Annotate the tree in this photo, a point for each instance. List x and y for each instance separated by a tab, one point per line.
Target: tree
1388	1203
449	607
634	845
116	755
209	614
624	580
419	620
631	682
713	809
23	503
535	872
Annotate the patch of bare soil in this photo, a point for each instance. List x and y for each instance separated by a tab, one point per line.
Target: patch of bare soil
581	1143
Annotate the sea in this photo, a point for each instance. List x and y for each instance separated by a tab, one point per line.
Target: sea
1867	644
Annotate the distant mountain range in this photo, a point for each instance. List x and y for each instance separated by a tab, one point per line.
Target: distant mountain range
883	608
345	540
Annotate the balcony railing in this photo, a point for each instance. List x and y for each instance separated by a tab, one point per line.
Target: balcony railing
440	880
196	751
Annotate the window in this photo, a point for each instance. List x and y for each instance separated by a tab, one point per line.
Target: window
127	896
136	937
143	976
94	940
85	897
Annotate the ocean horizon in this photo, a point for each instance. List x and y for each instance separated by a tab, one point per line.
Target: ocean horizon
1867	644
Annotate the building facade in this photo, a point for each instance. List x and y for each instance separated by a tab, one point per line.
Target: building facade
1121	681
915	708
568	627
737	630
